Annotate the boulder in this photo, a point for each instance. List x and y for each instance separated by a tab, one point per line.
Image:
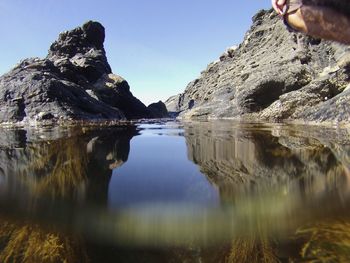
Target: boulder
115	91
158	110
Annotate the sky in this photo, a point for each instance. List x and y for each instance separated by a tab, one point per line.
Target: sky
158	46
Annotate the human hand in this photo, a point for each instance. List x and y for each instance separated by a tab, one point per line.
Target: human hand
278	5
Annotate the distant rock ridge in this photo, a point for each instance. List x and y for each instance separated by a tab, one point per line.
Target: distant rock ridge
273	75
74	82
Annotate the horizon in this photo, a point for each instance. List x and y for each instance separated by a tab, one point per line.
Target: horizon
158	59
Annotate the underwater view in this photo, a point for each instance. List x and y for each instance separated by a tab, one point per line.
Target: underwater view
172	191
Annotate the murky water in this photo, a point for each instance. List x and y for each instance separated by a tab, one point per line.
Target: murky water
175	192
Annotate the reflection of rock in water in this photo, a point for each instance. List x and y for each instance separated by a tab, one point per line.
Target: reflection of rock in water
109	151
242	162
74	163
303	165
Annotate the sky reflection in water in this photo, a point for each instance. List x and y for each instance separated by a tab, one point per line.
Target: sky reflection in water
158	171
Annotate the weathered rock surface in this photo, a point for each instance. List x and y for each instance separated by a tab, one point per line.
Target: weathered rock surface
274	75
158	110
74	82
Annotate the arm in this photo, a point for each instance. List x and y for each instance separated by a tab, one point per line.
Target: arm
278	5
317	21
321	22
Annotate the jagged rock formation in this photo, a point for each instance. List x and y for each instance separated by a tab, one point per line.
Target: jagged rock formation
273	75
74	82
158	110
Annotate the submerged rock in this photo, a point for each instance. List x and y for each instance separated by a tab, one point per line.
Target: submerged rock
74	82
273	75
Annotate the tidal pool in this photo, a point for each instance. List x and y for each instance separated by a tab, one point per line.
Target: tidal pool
169	191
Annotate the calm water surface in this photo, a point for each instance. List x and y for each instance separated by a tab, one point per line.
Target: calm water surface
175	192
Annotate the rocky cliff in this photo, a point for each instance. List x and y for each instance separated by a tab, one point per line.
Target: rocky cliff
273	75
74	82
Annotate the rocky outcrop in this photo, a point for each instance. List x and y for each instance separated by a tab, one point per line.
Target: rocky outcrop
120	97
158	110
273	75
74	82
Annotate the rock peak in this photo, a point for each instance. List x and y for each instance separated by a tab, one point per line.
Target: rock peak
74	82
95	33
90	35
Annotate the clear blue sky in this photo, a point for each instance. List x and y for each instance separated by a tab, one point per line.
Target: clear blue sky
158	46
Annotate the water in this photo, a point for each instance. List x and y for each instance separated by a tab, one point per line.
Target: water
216	191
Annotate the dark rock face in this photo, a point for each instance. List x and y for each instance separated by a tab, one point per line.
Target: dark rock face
74	82
273	75
158	110
115	91
82	51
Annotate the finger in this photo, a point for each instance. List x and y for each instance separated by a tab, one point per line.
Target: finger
281	2
278	5
281	6
274	5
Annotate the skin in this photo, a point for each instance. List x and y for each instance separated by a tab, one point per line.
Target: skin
318	21
278	5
